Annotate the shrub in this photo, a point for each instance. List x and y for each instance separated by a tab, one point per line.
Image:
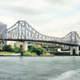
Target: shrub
46	54
62	53
1	48
29	54
22	51
52	52
44	45
59	46
16	49
37	49
7	48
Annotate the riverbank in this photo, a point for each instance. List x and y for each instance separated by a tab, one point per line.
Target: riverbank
28	54
19	55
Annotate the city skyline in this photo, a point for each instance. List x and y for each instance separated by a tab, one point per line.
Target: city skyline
49	17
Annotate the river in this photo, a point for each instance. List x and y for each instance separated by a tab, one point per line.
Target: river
40	68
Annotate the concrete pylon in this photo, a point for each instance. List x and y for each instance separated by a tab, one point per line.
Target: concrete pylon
75	48
71	50
25	45
18	44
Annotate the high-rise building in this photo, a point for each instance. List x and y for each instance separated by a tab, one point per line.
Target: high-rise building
2	28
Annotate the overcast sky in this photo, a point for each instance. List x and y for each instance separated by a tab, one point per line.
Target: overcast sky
50	17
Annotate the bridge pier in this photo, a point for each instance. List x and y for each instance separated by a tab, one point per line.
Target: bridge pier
23	45
74	50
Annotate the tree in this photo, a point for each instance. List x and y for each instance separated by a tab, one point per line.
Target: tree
59	46
7	48
0	41
16	49
37	49
44	45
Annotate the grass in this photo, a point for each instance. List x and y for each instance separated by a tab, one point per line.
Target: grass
46	54
6	53
29	54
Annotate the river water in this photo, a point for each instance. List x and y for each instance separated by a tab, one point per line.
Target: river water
40	68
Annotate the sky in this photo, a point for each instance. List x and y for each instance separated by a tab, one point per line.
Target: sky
50	17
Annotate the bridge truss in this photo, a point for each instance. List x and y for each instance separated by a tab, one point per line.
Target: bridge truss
22	31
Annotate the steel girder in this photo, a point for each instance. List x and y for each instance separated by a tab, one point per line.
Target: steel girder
22	30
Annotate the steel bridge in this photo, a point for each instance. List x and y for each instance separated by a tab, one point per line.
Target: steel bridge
22	31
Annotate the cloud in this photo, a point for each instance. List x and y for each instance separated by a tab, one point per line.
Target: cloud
31	4
63	26
24	11
50	17
19	8
64	4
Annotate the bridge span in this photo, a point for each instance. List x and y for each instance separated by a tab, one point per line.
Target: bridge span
22	31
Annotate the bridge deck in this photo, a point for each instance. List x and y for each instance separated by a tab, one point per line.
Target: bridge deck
22	40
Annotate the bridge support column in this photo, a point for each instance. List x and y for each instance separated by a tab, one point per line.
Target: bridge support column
71	50
25	45
19	44
74	50
77	50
